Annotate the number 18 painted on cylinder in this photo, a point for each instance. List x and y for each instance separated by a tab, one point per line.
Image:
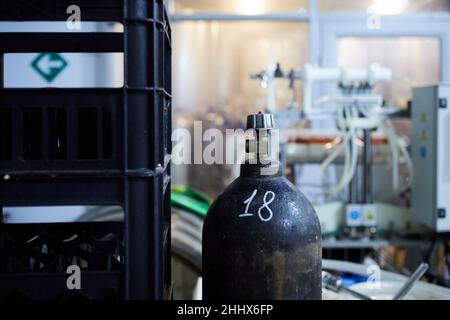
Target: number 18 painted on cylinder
269	197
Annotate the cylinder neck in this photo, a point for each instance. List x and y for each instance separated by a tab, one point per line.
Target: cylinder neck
261	171
261	152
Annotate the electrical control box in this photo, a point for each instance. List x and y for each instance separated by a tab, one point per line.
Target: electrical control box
430	198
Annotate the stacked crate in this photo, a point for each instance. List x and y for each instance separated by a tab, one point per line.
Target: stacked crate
92	146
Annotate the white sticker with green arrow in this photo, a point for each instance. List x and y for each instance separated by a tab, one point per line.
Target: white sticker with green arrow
49	65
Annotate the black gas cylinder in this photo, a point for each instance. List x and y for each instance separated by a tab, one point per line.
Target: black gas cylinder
261	237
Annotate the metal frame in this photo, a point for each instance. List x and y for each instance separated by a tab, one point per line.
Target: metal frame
325	28
336	25
289	16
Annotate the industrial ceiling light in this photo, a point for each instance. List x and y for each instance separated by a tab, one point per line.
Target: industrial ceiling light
250	7
389	7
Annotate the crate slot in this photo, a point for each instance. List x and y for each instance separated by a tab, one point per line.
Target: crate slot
167	131
167	72
52	10
61	26
32	133
63	70
87	133
107	133
5	134
61	214
57	126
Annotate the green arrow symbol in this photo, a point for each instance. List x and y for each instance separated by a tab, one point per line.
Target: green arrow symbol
49	65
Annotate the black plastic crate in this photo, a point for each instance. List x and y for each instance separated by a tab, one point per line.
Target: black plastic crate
81	129
26	268
94	146
95	285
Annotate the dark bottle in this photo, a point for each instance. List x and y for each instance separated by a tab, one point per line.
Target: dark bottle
261	237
